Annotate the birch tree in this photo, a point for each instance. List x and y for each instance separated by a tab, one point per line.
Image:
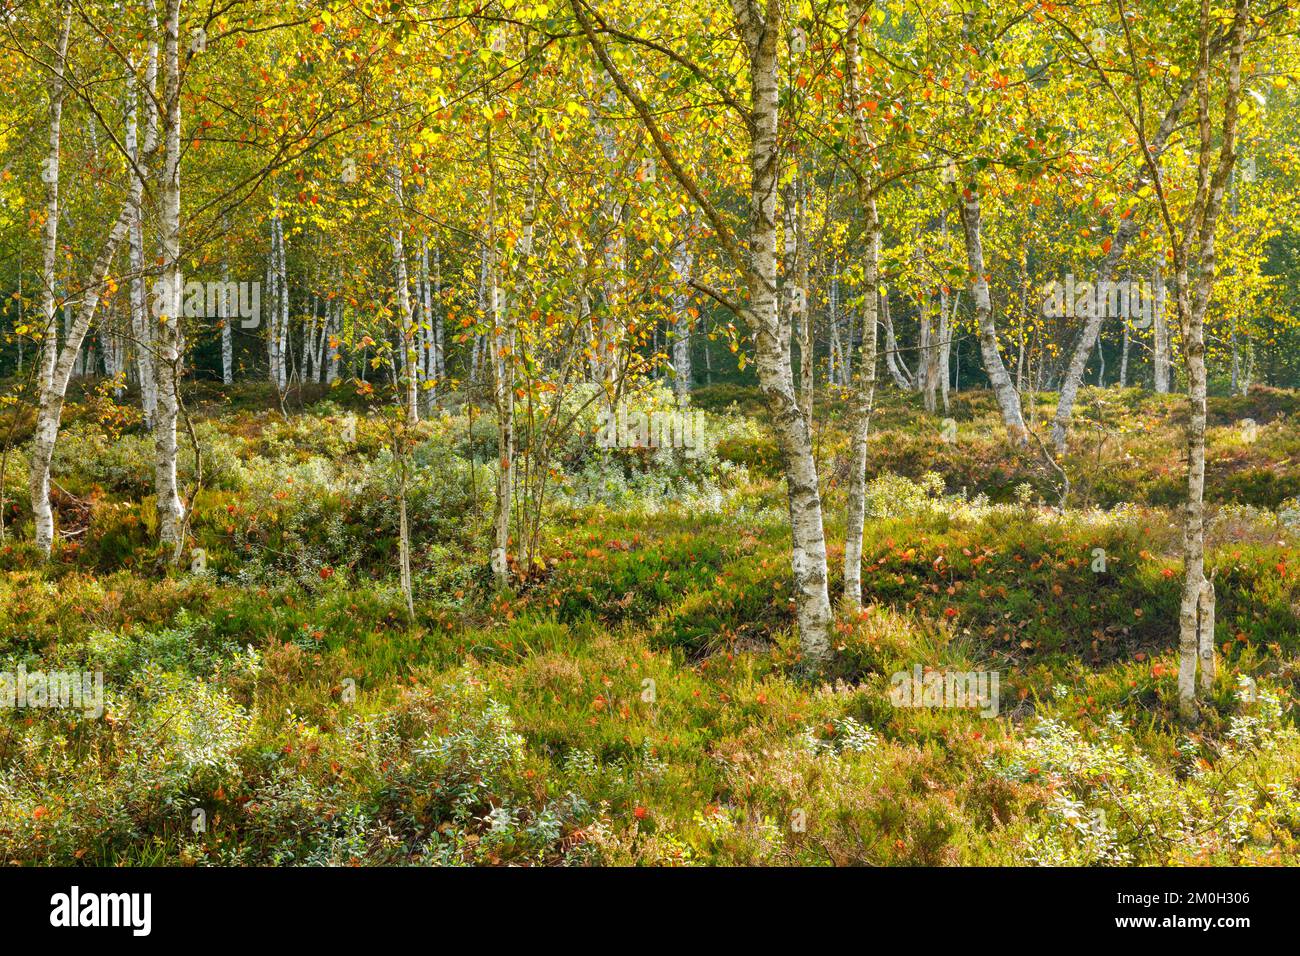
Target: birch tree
50	230
759	27
1191	234
171	510
47	423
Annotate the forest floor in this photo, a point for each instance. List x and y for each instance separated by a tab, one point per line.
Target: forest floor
639	697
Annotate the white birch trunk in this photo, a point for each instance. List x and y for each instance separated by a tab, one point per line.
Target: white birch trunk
502	363
864	393
1193	294
401	282
948	320
50	408
1160	335
1004	390
864	399
171	510
282	324
50	230
894	363
227	340
808	554
683	263
47	423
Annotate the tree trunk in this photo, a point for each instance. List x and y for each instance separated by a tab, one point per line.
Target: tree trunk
50	230
282	320
864	398
401	283
502	362
1003	389
1160	335
760	33
48	418
808	557
806	338
171	511
1196	613
50	410
835	360
683	263
227	341
948	317
1124	349
864	393
898	370
308	351
933	341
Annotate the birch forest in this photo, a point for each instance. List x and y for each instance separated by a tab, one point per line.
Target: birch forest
663	433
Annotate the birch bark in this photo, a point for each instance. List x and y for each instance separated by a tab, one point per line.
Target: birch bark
1004	390
171	510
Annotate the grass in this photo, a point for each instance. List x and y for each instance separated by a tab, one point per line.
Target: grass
642	700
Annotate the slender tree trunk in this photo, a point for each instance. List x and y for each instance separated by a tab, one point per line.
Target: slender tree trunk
425	334
335	343
1123	356
439	328
835	360
50	409
933	338
308	352
1020	363
401	282
404	528
708	352
278	296
898	370
171	510
227	340
502	356
864	393
51	403
142	325
760	32
614	258
282	323
864	398
1194	599
1193	294
50	230
683	263
1160	335
808	559
948	320
806	338
1003	389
